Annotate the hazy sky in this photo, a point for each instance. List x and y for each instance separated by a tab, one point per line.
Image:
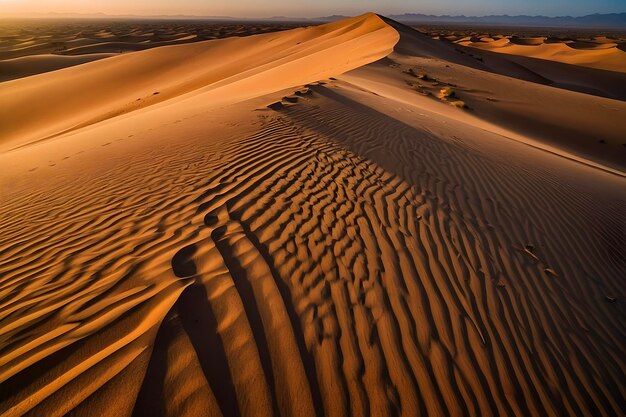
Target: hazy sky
309	8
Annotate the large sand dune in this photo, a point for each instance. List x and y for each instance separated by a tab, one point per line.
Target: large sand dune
294	226
221	72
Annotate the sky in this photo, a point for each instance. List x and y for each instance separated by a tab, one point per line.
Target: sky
313	8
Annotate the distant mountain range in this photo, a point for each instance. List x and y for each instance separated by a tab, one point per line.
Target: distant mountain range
609	20
612	20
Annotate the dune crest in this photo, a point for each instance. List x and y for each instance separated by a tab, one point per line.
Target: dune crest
219	72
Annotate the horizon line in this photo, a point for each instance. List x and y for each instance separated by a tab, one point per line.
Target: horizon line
96	15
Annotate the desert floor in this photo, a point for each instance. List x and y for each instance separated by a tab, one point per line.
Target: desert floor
352	219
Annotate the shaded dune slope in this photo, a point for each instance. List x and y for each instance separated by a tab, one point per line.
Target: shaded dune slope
31	65
597	81
343	252
584	125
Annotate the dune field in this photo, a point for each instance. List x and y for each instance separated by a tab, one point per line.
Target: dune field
350	219
600	52
33	47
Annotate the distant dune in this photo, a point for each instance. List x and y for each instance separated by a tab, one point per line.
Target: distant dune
31	46
352	219
32	65
593	54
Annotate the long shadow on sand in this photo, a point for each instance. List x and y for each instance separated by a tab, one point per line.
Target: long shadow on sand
194	313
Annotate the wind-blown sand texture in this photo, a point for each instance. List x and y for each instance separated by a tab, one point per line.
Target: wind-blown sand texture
308	223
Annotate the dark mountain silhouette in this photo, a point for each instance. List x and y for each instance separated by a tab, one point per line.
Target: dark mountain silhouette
613	20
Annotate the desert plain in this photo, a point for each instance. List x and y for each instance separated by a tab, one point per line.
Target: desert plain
358	218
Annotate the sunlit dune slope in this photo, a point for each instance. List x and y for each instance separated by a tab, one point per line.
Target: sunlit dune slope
219	72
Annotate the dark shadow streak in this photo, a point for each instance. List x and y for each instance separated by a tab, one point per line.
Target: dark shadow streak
307	358
193	311
244	288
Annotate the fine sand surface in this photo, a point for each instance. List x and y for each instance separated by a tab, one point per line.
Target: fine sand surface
29	47
349	219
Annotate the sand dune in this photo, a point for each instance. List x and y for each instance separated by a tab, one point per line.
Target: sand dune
11	69
527	41
222	72
22	42
294	226
27	37
600	55
591	45
599	82
537	111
